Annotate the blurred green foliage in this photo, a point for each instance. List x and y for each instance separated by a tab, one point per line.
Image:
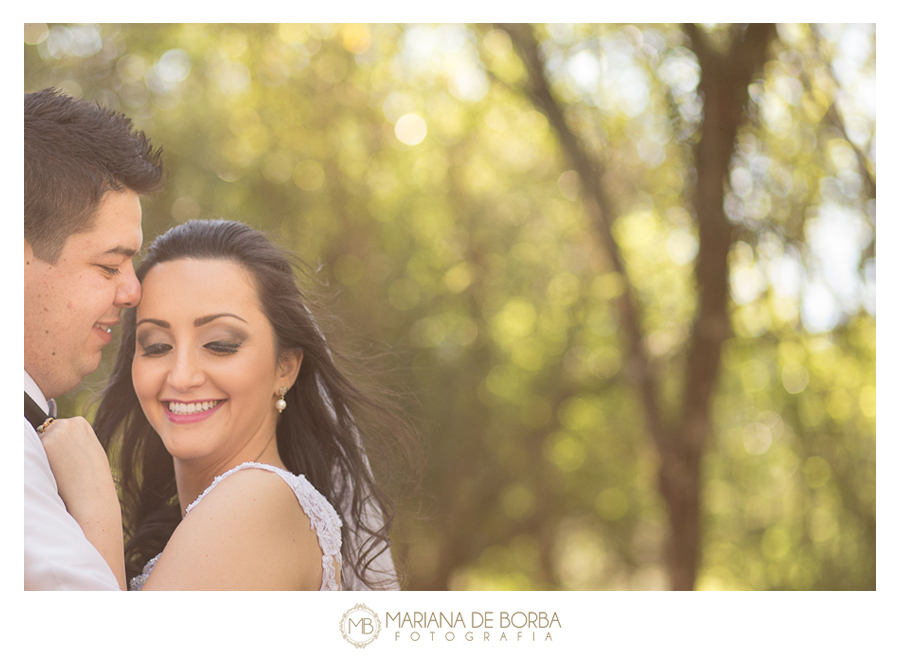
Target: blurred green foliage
403	160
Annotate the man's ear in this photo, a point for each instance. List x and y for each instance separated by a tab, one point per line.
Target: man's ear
289	367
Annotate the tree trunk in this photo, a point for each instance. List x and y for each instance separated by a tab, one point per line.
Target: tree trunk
725	77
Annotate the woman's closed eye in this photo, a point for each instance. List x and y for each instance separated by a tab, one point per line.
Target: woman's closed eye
222	347
155	349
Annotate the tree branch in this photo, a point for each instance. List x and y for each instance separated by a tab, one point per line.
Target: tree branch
600	211
835	119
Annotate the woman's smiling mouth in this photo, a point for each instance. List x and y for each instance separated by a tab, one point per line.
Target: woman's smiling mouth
189	412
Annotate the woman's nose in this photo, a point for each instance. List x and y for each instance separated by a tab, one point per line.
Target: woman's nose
185	373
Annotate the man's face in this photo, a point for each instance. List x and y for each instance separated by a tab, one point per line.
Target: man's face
72	306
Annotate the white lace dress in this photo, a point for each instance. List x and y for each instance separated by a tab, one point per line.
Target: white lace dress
323	519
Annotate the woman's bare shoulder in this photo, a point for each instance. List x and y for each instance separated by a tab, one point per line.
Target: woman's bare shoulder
247	533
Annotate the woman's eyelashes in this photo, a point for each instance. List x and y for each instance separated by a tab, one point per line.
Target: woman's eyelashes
219	347
222	347
155	349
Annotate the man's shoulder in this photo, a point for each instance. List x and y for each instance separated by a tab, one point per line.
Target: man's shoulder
33	442
37	467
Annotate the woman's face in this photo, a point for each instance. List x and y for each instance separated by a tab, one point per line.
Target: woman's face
205	367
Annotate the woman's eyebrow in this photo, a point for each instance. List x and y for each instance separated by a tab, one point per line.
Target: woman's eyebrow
199	322
209	318
161	323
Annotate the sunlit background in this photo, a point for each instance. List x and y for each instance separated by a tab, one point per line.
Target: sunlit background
413	165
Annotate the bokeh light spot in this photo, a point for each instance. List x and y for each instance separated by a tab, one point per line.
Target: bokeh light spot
776	543
757	438
611	504
817	472
517	501
309	175
867	401
794	377
515	320
131	68
411	129
566	452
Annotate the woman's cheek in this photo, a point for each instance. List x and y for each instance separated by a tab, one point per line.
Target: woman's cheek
142	377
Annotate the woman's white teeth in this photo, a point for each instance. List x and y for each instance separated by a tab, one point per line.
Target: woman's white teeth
104	328
192	407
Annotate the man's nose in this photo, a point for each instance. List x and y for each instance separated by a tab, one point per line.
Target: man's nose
129	291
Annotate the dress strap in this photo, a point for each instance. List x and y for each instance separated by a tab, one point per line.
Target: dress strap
322	517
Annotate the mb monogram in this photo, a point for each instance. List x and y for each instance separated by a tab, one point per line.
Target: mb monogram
360	625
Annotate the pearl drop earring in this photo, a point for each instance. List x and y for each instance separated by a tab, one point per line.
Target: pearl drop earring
280	404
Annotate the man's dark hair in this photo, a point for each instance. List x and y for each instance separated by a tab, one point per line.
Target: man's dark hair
75	152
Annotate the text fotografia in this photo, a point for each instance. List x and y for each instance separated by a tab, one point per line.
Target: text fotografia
480	626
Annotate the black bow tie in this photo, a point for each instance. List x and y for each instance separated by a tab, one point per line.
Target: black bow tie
33	412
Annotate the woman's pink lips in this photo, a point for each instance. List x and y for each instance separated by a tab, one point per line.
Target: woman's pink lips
191	418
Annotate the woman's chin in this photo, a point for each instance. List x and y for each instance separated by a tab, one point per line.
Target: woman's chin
183	451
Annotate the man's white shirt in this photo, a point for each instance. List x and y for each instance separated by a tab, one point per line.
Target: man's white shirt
57	554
